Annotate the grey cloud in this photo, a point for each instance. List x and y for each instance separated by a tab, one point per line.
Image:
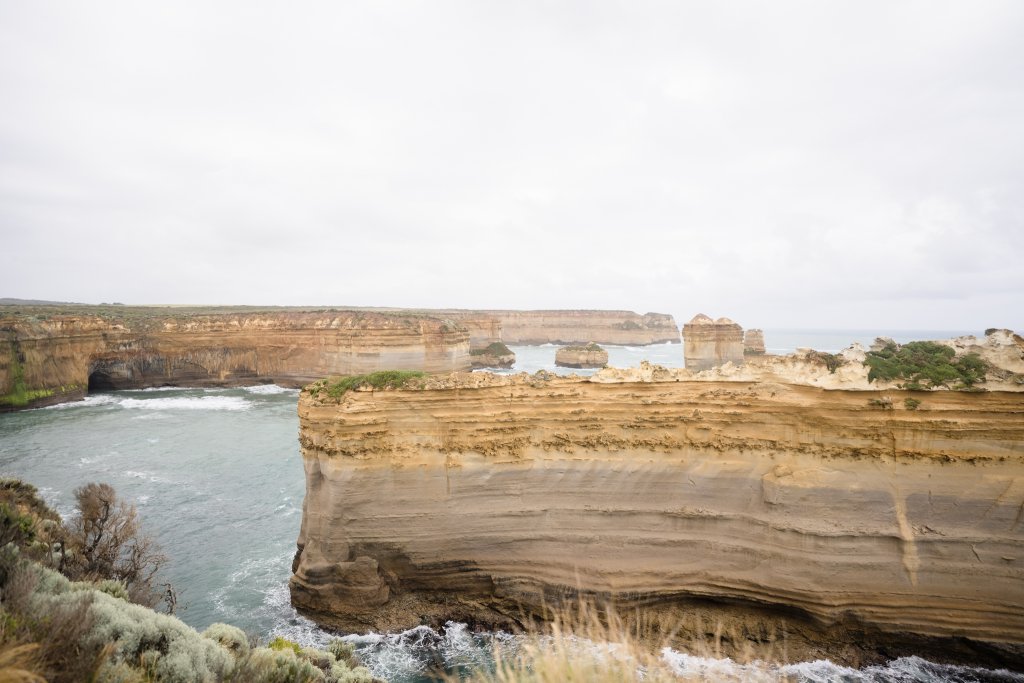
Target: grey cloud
850	164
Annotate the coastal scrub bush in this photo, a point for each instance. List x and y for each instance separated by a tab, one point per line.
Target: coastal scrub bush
280	643
383	379
911	403
884	403
832	361
231	638
925	365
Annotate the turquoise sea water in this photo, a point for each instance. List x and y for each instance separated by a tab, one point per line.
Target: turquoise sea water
218	480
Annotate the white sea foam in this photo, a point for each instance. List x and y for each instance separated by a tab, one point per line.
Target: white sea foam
187	403
269	389
147	476
89	401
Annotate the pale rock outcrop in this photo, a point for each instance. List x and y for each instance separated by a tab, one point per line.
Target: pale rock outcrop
580	327
586	356
708	343
753	342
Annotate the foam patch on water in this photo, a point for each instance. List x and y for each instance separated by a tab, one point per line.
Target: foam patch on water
89	401
902	670
146	476
269	389
187	403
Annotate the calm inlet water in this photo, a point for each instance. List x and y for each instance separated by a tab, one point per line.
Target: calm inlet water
218	480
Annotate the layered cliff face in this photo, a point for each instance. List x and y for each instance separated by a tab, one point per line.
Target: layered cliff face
580	327
775	506
708	343
753	343
61	357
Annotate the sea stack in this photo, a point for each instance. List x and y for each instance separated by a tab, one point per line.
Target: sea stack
753	343
709	343
587	356
494	355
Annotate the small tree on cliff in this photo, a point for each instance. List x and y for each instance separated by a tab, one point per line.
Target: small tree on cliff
106	543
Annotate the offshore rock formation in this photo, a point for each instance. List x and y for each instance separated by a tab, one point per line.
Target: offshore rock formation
708	343
587	356
767	505
494	355
753	343
61	357
580	327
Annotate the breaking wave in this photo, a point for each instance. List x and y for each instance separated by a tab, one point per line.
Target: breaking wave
187	403
269	389
421	652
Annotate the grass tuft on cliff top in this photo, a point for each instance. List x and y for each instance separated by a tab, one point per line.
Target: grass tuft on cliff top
492	349
383	379
925	365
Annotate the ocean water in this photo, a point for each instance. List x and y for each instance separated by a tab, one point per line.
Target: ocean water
218	481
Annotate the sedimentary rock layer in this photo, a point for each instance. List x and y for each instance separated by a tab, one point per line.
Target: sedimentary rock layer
493	494
708	343
58	357
580	327
753	342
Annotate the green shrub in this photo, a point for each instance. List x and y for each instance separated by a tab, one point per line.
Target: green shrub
492	349
384	379
884	403
583	348
832	361
231	638
925	365
113	588
343	651
911	403
264	665
280	643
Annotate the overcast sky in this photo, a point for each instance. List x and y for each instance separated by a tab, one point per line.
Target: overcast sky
787	164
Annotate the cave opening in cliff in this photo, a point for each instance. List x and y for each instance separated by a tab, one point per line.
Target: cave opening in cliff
100	381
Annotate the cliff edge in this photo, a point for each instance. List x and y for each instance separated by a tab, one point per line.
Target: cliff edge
847	519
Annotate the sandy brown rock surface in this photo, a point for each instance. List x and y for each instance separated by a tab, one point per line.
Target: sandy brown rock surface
58	357
709	343
580	327
583	356
770	505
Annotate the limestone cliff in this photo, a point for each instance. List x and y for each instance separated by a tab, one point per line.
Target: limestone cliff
851	528
580	327
753	343
708	343
49	358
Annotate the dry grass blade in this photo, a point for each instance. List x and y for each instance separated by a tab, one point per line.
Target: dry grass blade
17	663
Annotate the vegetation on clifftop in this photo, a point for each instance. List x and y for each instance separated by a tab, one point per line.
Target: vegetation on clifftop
383	379
925	365
583	348
492	349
